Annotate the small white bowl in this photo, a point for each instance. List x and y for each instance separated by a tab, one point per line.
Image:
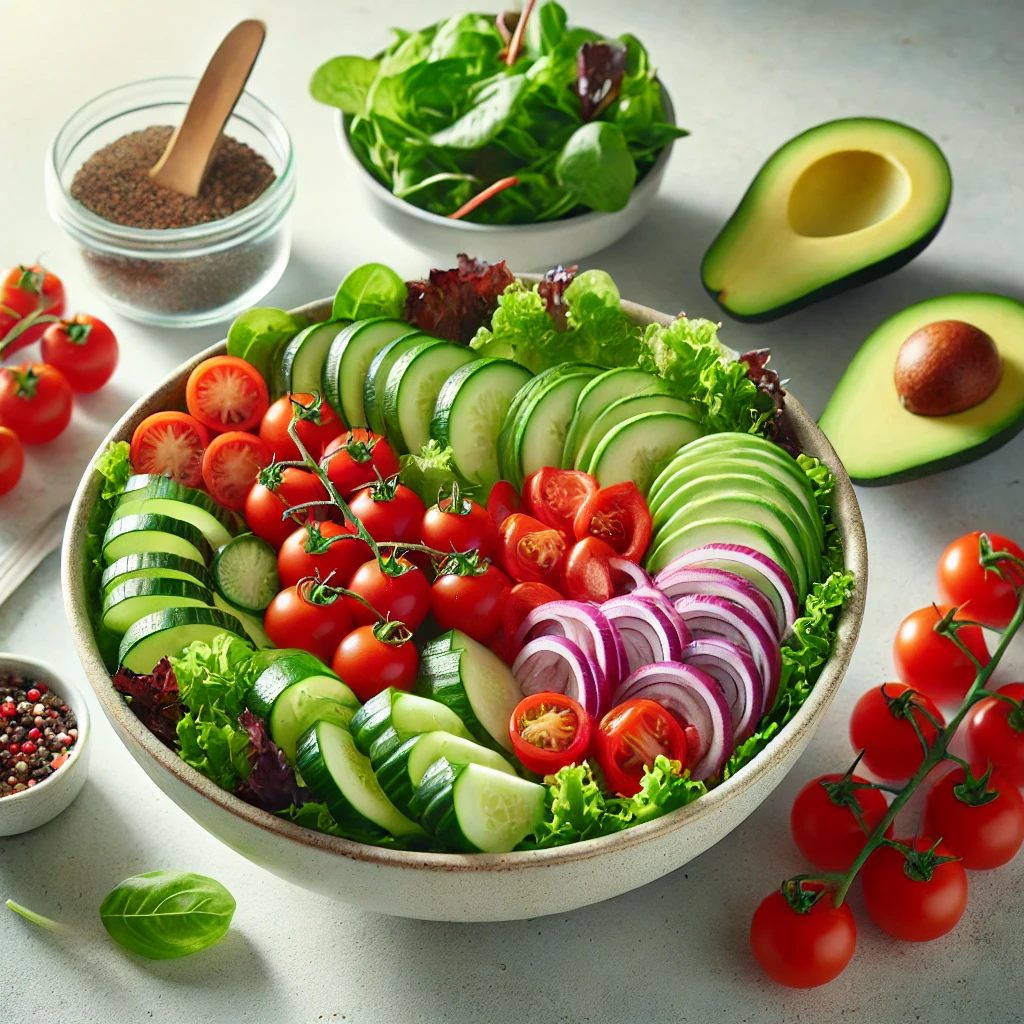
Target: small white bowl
524	246
22	812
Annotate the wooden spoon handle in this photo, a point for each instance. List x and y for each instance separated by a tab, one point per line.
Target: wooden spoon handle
191	148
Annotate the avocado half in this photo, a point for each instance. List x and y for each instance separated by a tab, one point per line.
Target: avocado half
880	442
839	205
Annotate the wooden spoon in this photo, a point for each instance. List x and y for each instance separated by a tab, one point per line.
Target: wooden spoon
191	148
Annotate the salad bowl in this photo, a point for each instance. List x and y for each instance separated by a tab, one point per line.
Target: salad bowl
464	887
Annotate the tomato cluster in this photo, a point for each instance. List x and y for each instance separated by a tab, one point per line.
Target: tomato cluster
78	355
915	888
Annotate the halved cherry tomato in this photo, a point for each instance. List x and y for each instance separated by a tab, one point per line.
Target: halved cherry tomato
503	501
227	393
316	423
84	349
555	496
989	597
172	444
457	524
619	516
12	459
522	599
309	616
28	290
549	731
588	574
629	739
355	459
530	550
231	464
470	595
35	402
389	511
372	658
398	592
313	550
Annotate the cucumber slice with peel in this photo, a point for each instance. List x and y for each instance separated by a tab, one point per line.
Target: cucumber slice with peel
138	534
135	599
302	361
377	375
155	565
250	625
159	495
392	716
165	634
638	449
245	571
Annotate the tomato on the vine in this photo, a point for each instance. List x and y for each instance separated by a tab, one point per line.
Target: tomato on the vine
995	733
231	464
227	393
28	290
916	895
84	349
932	663
456	523
316	423
313	550
170	444
277	489
549	731
372	658
389	511
356	458
12	459
619	516
824	823
805	947
35	402
399	590
310	616
630	737
470	595
531	551
588	572
503	500
989	597
880	726
554	496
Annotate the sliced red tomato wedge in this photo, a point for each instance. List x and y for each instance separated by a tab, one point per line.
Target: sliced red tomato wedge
231	464
227	393
531	550
549	731
521	600
554	496
619	516
503	501
588	573
629	739
171	444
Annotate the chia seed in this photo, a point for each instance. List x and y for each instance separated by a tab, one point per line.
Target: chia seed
26	762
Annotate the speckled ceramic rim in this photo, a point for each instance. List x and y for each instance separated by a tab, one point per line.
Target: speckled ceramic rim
170	394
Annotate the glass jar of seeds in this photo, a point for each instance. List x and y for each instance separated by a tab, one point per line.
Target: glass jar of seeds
159	257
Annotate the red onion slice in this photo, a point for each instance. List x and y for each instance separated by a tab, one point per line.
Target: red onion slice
636	578
650	630
681	580
554	664
693	698
737	674
718	618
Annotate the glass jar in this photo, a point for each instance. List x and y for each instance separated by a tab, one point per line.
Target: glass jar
175	277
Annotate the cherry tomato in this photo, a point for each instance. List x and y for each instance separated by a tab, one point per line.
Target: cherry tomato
227	393
389	511
883	731
404	597
12	459
995	733
84	349
35	402
915	901
372	658
311	550
619	516
28	290
171	444
629	739
276	490
457	524
555	496
522	599
983	830
316	423
803	949
474	602
231	464
824	825
932	663
531	551
962	581
549	731
308	617
588	574
503	501
355	459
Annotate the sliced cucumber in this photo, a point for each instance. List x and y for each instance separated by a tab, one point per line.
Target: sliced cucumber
304	356
638	448
245	571
349	358
412	387
159	495
138	534
165	634
475	683
339	775
138	598
470	808
392	716
469	414
251	625
377	376
155	565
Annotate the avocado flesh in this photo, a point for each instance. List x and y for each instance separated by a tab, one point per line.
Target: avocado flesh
839	205
881	442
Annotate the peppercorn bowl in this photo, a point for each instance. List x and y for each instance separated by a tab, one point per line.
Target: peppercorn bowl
31	807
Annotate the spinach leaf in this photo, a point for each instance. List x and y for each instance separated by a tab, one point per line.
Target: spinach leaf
166	914
259	335
596	167
344	82
490	113
370	290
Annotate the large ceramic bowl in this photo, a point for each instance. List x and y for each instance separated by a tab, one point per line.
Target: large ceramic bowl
460	887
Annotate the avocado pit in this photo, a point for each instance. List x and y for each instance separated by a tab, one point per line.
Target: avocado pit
946	367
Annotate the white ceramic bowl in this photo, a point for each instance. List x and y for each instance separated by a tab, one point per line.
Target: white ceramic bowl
22	812
526	246
461	887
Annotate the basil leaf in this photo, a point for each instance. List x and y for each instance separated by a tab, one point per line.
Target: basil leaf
344	82
166	914
595	165
368	291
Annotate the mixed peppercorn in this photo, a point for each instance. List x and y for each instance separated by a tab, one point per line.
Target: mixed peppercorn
37	732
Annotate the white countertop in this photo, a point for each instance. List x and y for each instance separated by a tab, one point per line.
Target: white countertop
745	76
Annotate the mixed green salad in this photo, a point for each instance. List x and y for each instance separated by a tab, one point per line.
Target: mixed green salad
538	118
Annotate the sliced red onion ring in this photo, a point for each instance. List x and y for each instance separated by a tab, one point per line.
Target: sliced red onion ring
718	618
637	578
650	630
679	581
767	575
554	664
737	674
693	698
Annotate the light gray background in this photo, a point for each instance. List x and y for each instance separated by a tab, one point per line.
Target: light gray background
745	76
